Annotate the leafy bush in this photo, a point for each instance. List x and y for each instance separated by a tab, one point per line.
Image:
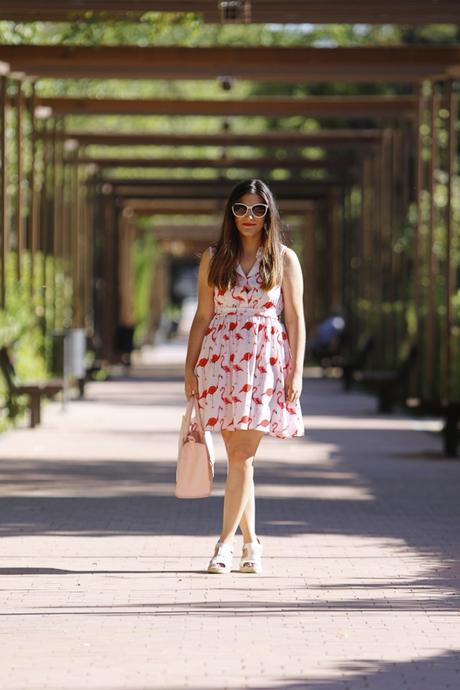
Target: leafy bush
26	324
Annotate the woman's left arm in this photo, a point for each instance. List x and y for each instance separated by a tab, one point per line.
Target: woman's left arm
292	288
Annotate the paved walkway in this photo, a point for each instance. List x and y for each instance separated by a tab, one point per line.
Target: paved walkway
103	571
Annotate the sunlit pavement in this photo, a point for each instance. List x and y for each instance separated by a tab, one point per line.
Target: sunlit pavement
104	581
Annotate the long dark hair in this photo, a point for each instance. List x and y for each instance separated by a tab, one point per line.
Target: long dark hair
222	269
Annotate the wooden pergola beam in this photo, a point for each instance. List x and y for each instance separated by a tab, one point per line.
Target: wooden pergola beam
198	189
290	11
222	163
204	207
293	64
282	106
324	137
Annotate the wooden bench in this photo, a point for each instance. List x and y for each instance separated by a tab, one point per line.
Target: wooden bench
450	411
33	389
356	362
387	383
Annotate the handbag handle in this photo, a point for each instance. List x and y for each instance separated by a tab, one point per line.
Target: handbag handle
198	414
192	402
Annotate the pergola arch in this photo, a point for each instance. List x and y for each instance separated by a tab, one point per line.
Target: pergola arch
372	191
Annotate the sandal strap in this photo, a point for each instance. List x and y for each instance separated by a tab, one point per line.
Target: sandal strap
224	553
253	551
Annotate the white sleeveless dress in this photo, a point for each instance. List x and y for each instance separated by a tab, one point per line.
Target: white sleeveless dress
243	361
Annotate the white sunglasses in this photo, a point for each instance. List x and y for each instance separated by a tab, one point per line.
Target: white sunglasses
257	210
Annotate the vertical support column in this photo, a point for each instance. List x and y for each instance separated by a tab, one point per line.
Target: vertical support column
335	249
59	221
125	268
51	278
378	316
309	265
76	240
448	387
19	169
83	284
109	273
33	221
418	197
44	216
4	235
89	252
431	255
366	226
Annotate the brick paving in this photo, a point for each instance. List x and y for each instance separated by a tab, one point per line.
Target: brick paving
103	571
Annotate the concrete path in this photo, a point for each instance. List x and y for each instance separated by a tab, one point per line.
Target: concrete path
103	571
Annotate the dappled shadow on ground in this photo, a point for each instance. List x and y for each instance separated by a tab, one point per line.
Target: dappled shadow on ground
355	475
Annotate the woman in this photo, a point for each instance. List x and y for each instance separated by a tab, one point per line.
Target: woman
243	363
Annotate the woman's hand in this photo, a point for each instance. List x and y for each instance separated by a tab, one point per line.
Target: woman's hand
191	384
293	386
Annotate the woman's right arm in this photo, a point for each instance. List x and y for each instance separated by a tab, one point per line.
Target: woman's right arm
201	320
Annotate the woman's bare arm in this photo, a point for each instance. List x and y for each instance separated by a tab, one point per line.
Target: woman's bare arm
292	288
203	315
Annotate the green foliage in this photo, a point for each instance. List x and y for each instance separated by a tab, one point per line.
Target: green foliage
145	255
27	320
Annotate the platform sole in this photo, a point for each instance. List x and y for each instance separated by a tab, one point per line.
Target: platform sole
219	571
250	569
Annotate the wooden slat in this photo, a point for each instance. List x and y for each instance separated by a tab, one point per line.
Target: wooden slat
193	189
294	64
222	163
348	137
313	106
290	11
206	206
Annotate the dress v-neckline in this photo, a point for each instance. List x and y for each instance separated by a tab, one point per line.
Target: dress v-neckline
246	275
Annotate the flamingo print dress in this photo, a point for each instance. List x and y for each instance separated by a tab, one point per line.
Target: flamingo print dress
243	361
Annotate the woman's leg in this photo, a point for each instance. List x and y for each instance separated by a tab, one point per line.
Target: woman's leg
241	448
248	519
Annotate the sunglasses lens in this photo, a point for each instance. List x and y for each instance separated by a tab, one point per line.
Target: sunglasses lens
239	210
259	210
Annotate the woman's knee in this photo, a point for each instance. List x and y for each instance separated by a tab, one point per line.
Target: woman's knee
242	454
242	446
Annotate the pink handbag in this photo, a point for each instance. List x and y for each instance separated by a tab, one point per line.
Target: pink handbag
195	458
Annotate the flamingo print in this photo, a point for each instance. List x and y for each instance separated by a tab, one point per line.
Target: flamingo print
227	401
278	399
212	421
256	399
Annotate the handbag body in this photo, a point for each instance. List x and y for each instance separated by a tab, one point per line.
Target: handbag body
195	458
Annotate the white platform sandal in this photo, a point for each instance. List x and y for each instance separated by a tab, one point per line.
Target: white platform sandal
251	558
222	560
